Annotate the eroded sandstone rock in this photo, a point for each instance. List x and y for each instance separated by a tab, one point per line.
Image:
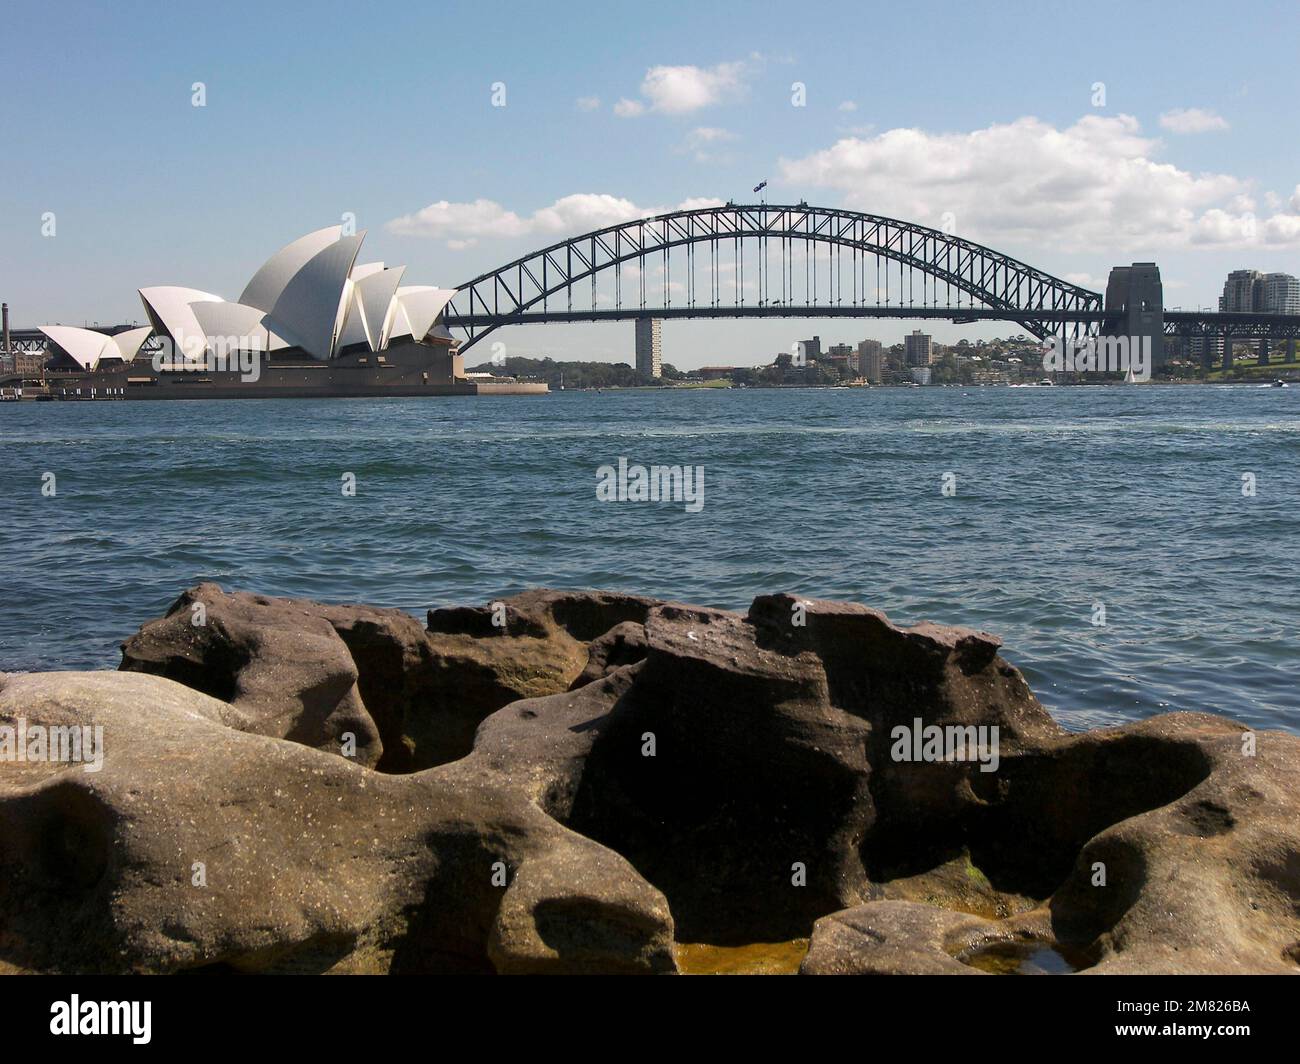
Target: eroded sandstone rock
411	698
1169	846
772	735
484	658
282	664
201	844
572	781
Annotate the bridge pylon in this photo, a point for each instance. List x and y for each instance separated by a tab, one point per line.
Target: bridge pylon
1135	307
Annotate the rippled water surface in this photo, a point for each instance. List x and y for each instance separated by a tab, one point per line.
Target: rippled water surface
1066	497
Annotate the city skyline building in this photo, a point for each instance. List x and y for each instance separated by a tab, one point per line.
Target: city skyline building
1281	294
649	347
1240	291
841	356
1265	293
918	348
871	358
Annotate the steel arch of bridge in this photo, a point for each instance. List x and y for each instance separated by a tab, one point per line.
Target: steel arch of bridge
994	285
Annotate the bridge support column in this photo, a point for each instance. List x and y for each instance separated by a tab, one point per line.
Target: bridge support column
1135	306
1204	347
1262	357
1227	353
1290	350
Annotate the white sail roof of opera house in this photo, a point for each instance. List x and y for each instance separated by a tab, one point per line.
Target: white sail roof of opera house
423	304
311	295
128	343
170	309
370	306
88	347
235	320
276	273
307	310
416	309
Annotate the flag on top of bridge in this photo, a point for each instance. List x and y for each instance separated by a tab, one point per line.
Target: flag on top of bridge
760	186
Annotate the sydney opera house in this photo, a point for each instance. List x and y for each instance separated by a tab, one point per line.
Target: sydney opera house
312	322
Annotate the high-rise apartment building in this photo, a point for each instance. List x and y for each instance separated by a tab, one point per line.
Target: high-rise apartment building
871	360
649	347
1242	291
1265	293
919	348
1281	294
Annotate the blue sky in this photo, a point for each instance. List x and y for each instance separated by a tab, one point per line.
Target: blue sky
385	110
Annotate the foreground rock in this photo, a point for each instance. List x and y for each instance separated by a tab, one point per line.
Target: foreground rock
1186	860
411	697
572	781
197	844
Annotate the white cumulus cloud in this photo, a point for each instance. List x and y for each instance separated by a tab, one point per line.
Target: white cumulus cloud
1192	120
482	217
1097	184
682	89
461	224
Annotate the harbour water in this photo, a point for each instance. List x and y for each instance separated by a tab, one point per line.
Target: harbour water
1061	500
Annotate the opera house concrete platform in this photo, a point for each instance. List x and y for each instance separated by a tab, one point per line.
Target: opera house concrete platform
311	323
411	369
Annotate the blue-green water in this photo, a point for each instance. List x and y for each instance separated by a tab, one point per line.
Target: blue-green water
1065	497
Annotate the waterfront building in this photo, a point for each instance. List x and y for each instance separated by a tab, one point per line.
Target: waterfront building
919	348
1242	291
311	321
310	298
871	360
1265	293
842	356
1252	291
649	347
1281	294
812	349
25	364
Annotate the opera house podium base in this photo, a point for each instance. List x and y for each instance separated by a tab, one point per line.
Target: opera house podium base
408	369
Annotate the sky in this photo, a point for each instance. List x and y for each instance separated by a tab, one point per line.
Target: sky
463	135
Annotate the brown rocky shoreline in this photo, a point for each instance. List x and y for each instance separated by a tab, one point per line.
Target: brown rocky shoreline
597	782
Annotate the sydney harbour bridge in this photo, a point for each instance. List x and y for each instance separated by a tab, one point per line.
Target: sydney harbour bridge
798	261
